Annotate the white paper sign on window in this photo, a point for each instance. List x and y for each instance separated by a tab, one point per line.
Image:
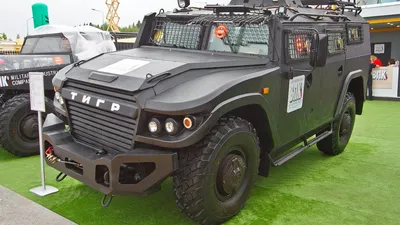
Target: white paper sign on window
379	48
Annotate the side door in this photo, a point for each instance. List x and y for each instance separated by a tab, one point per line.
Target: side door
300	87
334	72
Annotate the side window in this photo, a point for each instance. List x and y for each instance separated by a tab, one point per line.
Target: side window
336	43
298	45
354	34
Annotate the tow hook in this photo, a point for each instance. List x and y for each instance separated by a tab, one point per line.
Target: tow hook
60	177
103	200
53	159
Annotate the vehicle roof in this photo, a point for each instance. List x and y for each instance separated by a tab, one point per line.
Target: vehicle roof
344	10
85	41
57	29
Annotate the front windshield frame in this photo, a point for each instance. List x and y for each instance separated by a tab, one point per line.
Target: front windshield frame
203	33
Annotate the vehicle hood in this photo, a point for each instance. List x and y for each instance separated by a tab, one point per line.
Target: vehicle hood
127	70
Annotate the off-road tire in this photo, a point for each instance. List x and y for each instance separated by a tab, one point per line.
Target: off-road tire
334	144
195	181
10	118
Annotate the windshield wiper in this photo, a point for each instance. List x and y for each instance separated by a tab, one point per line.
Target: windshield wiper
80	62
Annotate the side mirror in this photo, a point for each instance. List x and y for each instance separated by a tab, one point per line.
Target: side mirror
319	50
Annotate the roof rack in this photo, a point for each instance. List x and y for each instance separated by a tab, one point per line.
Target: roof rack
310	15
229	8
350	5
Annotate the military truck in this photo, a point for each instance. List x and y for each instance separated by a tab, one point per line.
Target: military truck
47	49
212	97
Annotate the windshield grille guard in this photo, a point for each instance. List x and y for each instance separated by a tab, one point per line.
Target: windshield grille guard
188	34
238	20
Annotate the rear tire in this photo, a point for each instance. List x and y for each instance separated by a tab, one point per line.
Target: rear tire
342	128
19	126
215	178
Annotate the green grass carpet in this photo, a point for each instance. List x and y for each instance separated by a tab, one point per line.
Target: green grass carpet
361	186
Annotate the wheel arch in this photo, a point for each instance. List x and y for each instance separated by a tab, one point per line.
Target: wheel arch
253	108
355	84
356	87
239	106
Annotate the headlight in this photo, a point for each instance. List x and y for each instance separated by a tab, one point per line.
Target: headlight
61	100
155	126
58	95
183	3
172	127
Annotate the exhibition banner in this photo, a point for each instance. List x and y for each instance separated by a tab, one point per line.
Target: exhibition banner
382	77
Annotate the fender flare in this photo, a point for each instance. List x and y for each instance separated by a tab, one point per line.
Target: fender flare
352	75
245	100
218	111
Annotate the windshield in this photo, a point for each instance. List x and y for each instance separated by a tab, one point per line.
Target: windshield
51	44
249	36
249	40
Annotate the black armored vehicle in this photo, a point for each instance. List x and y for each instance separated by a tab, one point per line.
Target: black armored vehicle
213	97
48	49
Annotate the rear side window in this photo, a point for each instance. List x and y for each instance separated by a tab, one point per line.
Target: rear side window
336	42
354	34
46	45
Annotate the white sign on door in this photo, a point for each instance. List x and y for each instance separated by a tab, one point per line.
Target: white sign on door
379	48
36	89
296	93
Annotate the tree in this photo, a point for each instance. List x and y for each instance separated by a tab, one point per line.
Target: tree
3	37
138	24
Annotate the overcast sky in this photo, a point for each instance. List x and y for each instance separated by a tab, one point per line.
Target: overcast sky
15	13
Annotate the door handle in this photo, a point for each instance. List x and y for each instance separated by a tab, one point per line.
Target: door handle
340	71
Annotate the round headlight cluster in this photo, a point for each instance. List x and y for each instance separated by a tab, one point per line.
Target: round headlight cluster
183	3
59	98
155	126
170	125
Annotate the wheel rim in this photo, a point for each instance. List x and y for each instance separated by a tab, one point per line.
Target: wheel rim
29	126
231	174
345	125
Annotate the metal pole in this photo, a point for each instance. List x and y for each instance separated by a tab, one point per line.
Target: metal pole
27	26
41	149
36	90
102	13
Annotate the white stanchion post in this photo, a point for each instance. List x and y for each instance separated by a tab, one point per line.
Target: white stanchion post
37	98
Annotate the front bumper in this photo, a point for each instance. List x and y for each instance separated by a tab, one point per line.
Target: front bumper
93	166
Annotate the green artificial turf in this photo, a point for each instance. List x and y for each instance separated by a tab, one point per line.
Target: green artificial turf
361	186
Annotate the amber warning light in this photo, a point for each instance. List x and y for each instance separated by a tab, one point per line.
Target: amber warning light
265	91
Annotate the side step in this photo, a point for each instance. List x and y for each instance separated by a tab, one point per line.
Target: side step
301	148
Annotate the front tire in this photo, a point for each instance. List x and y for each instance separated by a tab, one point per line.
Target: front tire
216	177
19	126
342	128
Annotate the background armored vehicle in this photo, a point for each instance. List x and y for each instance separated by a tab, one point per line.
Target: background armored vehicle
48	49
211	97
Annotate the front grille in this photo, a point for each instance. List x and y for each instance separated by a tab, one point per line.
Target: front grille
99	128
